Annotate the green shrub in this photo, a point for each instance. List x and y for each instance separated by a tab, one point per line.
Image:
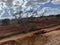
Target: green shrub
33	26
59	22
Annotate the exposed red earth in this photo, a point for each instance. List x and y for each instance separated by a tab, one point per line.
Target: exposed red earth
49	35
16	28
35	38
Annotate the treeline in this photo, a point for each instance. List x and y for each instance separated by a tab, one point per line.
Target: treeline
7	21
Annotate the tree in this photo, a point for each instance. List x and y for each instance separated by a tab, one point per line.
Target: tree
5	21
58	15
21	21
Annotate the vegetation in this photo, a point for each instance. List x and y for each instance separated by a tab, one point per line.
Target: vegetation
58	15
5	21
59	22
33	26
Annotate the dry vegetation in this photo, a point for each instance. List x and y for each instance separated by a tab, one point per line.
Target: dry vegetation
48	33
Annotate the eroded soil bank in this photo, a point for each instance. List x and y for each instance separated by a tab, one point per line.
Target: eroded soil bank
50	37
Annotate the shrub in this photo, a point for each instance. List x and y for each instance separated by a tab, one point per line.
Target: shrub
33	26
5	21
59	22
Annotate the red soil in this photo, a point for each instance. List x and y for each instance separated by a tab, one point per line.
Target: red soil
8	29
48	22
14	28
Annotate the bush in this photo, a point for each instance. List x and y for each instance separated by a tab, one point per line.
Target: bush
5	21
33	26
59	22
58	15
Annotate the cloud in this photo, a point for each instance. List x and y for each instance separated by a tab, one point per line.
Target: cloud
23	3
17	5
7	13
17	2
51	11
3	0
8	3
55	1
35	3
2	5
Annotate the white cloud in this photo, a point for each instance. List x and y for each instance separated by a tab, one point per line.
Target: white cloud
56	1
52	11
17	2
7	2
35	3
25	5
2	5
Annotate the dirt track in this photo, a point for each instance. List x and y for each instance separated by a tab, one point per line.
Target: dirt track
51	37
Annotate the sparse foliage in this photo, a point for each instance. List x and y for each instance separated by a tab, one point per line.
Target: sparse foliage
33	26
5	21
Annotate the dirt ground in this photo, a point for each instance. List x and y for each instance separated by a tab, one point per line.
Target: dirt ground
50	37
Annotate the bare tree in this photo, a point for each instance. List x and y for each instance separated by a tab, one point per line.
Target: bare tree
42	14
21	21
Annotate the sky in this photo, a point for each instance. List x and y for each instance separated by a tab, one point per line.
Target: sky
9	7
